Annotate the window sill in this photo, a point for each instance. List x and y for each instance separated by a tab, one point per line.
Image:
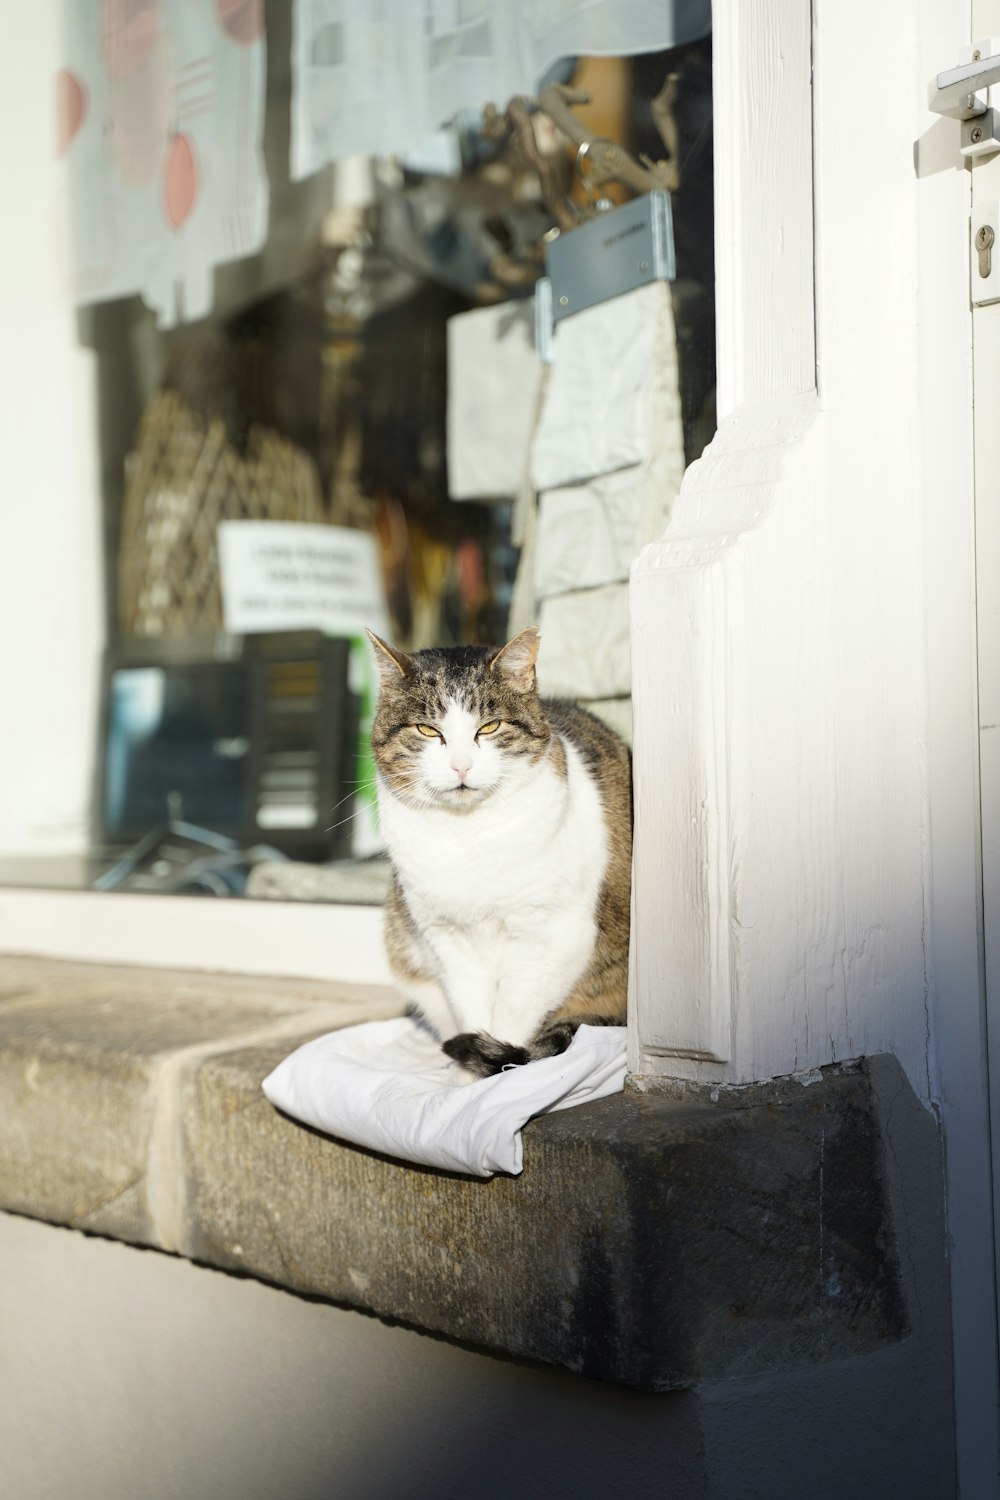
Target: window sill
654	1239
306	940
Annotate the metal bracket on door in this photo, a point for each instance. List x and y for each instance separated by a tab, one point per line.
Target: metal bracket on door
965	93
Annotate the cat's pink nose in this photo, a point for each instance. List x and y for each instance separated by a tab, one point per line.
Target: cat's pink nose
460	766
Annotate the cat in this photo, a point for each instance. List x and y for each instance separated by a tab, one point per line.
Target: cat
507	818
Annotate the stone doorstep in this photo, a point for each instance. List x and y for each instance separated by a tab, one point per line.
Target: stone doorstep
654	1239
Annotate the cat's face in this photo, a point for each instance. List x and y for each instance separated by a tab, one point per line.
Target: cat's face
454	725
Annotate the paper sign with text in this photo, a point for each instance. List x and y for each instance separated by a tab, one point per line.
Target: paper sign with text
290	575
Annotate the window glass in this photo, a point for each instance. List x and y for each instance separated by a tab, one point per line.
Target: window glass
365	389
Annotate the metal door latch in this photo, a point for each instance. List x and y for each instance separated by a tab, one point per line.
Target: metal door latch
984	254
984	245
966	93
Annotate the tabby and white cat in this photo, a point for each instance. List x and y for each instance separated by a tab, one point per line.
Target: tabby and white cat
508	821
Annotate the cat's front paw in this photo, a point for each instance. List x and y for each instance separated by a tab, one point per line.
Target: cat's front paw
482	1055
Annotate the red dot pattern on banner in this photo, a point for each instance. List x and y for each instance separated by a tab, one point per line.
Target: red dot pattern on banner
71	108
180	181
241	20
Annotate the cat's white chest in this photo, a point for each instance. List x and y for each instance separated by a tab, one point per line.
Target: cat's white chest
504	896
517	854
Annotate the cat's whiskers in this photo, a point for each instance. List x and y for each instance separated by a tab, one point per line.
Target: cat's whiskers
368	785
403	789
342	822
348	817
415	794
356	787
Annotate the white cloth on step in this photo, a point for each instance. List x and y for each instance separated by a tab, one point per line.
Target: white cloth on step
386	1085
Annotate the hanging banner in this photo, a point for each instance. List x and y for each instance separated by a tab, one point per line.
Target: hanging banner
377	77
161	114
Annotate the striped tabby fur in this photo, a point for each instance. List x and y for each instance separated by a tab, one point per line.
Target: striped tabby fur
508	821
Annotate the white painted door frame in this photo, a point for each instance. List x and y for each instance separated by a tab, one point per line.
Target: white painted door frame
804	649
777	625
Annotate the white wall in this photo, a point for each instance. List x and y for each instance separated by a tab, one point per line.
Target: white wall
50	567
126	1373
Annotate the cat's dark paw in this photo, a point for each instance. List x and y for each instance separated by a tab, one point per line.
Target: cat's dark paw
482	1054
553	1039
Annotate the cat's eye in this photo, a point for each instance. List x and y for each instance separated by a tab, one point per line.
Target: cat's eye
490	728
429	730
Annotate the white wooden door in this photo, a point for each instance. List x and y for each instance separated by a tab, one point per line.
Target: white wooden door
985	184
984	174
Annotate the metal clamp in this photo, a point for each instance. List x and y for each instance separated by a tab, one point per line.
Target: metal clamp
966	94
960	93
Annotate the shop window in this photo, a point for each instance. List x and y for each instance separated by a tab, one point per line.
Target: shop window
343	389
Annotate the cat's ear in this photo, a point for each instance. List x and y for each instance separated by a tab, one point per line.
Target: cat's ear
516	660
392	664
